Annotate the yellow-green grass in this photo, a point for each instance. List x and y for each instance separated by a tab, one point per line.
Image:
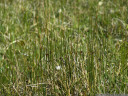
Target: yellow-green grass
63	47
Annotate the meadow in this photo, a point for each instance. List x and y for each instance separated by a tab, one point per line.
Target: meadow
63	47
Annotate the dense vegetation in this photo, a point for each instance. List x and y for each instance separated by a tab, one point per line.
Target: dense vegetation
63	47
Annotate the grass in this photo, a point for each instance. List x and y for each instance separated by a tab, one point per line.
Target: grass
63	47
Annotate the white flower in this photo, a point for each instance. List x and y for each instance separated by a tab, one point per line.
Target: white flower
58	67
60	11
111	11
100	3
120	40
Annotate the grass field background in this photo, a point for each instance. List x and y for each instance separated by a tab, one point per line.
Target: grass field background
63	47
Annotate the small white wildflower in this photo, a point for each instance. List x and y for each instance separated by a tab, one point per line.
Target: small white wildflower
60	11
25	54
100	3
111	11
120	40
64	23
58	67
